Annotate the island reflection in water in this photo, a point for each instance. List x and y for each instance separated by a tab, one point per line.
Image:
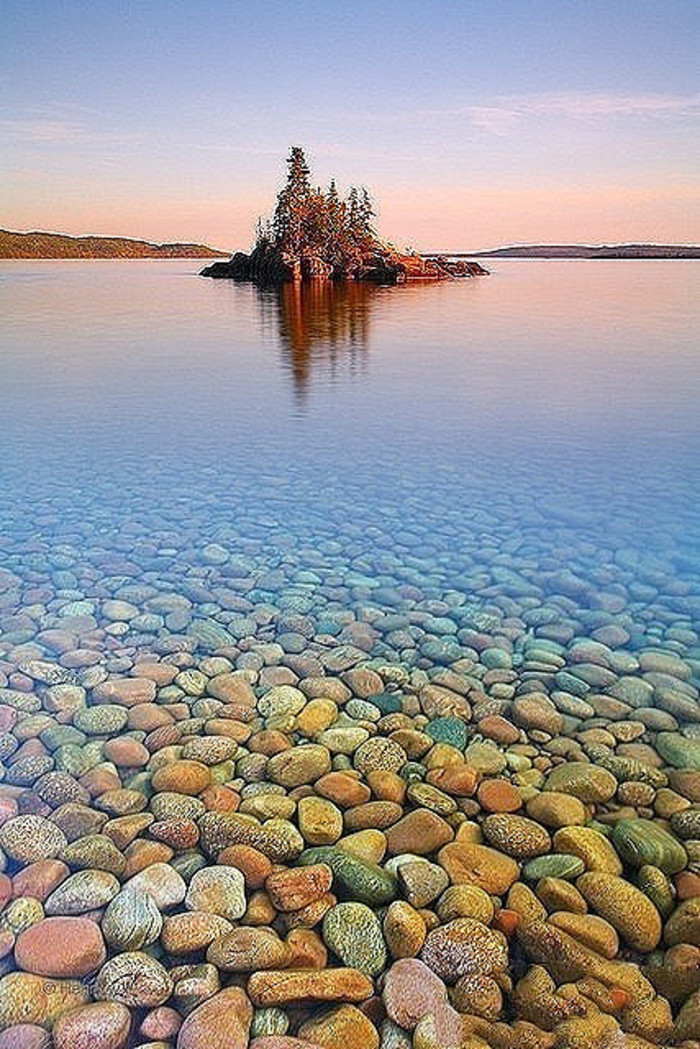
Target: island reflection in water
320	321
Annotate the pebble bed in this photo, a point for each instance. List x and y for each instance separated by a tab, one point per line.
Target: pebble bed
264	792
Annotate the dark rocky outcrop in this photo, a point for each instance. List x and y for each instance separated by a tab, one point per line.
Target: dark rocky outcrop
266	265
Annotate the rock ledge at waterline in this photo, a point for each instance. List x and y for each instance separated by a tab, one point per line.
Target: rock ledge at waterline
382	266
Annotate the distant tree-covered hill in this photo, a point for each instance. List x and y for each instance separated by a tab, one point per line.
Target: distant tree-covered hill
40	245
583	251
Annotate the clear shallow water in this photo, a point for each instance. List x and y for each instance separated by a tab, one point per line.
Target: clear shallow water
523	447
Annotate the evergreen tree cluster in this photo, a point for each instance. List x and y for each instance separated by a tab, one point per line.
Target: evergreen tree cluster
309	221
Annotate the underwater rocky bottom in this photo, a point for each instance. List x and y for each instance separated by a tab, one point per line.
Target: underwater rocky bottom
348	780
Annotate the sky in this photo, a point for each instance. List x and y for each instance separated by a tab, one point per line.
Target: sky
474	123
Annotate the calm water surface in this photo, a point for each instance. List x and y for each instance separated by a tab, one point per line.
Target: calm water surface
523	446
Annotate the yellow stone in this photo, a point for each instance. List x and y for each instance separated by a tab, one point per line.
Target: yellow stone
590	846
316	716
320	821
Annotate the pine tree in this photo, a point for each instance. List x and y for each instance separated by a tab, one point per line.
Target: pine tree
308	221
366	214
292	204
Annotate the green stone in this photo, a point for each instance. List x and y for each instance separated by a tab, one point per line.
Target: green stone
641	842
353	932
448	730
678	751
555	865
364	882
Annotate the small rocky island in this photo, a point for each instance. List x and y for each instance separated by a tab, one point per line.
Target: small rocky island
317	235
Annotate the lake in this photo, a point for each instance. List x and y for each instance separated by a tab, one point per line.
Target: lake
441	537
525	435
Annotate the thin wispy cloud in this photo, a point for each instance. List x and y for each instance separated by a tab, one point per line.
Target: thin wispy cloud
509	111
59	123
38	130
504	113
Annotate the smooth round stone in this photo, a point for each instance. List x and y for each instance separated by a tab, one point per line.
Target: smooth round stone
82	892
135	979
556	865
353	932
640	842
182	777
363	882
249	949
27	839
343	739
26	998
61	947
192	931
625	906
217	890
556	810
422	882
342	1026
386	702
411	991
485	758
448	730
479	865
301	765
224	1019
25	1036
320	821
678	751
162	882
132	921
99	1025
587	782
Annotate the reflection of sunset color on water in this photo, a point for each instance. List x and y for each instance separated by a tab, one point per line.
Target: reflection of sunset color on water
319	319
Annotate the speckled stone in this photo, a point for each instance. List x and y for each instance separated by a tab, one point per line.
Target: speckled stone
135	979
353	932
463	947
27	839
217	890
517	836
587	782
26	998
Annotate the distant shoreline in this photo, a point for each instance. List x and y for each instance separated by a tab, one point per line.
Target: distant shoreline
41	245
579	251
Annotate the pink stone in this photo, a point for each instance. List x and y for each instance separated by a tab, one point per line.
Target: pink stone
411	990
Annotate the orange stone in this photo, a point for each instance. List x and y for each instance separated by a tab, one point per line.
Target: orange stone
61	947
498	795
458	780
